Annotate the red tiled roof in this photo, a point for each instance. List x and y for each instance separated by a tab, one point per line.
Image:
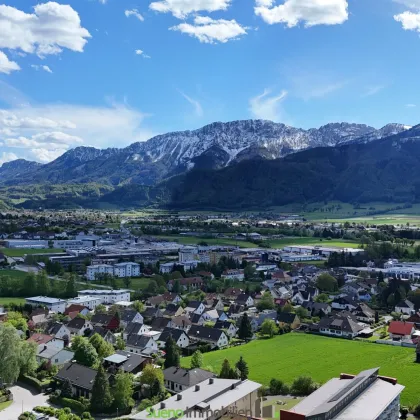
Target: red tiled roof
400	328
74	308
41	338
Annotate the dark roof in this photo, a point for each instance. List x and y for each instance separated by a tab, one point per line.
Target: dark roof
187	377
103	319
74	308
344	322
160	323
139	341
133	328
79	375
194	304
191	280
54	328
132	362
242	298
405	304
195	318
99	330
205	333
286	317
174	332
76	323
316	306
171	309
128	315
363	309
150	312
181	321
222	324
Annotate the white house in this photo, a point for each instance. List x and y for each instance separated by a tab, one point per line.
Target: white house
131	316
233	275
54	355
195	307
93	271
179	336
78	326
59	330
91	302
135	328
127	269
137	343
405	307
107	296
166	267
245	299
52	304
212	336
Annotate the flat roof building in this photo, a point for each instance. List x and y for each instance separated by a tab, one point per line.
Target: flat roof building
366	396
53	304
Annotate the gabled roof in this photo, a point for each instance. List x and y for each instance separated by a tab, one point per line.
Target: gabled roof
97	329
128	315
286	317
171	309
40	338
187	377
194	304
343	321
79	375
133	328
160	323
74	308
405	304
150	312
195	318
181	321
103	319
222	324
190	280
174	332
205	333
139	341
242	298
363	309
55	328
76	324
400	327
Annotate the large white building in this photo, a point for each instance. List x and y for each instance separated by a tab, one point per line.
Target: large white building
107	296
91	302
22	243
128	269
67	244
52	304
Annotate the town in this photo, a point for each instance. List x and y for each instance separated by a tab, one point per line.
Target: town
167	315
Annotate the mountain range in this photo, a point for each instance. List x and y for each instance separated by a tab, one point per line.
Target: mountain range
235	165
214	146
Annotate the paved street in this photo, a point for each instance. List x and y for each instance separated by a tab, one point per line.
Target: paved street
23	398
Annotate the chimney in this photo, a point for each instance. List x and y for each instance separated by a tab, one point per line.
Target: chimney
211	381
162	405
197	388
179	397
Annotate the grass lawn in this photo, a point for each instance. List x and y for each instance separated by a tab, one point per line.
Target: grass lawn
15	274
137	283
280	243
5	404
14	300
288	356
20	252
288	404
193	240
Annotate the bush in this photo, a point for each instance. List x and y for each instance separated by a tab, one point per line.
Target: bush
73	405
34	382
278	387
303	385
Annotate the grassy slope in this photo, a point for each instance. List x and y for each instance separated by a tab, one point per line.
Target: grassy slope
192	240
20	252
288	356
15	274
14	300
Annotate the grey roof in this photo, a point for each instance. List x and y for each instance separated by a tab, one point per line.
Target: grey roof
205	333
76	324
45	300
54	328
187	377
242	298
97	329
405	304
222	324
160	323
50	351
102	319
139	341
128	315
133	328
194	304
79	375
115	358
171	309
286	317
174	332
344	322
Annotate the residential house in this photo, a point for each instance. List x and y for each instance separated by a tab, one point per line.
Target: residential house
79	326
53	355
42	339
401	330
364	314
80	377
179	336
40	317
178	379
245	300
340	325
415	318
212	336
159	324
166	299
173	310
137	343
133	328
234	274
59	330
108	321
191	283
107	335
252	319
267	314
213	315
317	308
228	327
405	307
218	305
231	293
195	307
345	302
73	310
181	323
288	318
131	315
151	313
126	361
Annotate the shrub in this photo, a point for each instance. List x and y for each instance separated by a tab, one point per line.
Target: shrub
278	387
303	385
73	405
34	382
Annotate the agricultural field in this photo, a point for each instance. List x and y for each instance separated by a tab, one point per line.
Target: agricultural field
193	240
14	274
20	252
288	356
13	300
137	283
280	243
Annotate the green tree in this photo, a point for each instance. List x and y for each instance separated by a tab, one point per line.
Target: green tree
120	343
138	306
303	385
326	282
29	284
122	391
176	288
85	354
42	283
67	389
242	368
197	359
152	287
250	272
287	308
28	363
17	320
150	374
391	300
101	400
227	372
100	309
278	387
245	329
103	348
269	327
172	357
266	302
301	312
71	285
322	298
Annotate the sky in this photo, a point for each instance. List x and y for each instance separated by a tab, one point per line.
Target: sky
107	73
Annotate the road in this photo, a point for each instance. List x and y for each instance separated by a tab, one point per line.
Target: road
23	400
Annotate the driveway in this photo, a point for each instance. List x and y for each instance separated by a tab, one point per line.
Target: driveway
24	399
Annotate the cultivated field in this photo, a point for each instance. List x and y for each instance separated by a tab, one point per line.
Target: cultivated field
192	240
288	356
280	243
20	252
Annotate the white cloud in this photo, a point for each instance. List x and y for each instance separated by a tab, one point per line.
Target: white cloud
310	12
7	66
43	132
141	52
412	4
373	90
48	30
210	31
182	8
135	13
411	106
410	21
267	106
198	109
45	68
103	1
7	157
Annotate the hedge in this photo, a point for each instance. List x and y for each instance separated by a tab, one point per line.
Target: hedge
30	380
74	405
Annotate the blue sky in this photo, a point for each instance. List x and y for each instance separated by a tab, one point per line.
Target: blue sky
106	73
